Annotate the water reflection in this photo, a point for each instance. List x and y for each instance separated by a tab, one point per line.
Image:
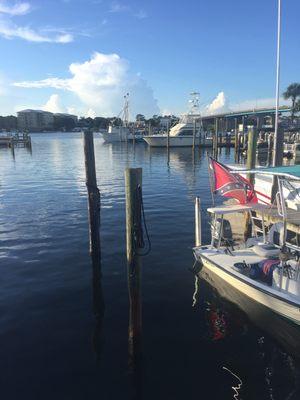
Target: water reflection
228	318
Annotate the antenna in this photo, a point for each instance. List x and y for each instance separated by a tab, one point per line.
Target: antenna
277	84
194	101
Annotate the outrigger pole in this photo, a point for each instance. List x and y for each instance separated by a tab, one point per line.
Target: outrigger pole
276	136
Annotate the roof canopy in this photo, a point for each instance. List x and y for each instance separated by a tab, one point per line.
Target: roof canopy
291	171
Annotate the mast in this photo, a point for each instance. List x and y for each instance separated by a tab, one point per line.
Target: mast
126	110
276	136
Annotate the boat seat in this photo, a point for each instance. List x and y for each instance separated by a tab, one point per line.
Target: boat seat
266	250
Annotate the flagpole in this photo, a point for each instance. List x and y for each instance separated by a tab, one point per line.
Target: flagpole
276	138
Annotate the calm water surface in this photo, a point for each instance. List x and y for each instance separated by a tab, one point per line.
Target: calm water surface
196	344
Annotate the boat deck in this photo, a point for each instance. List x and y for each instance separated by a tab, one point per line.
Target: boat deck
223	259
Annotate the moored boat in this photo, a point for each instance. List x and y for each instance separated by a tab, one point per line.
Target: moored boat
266	266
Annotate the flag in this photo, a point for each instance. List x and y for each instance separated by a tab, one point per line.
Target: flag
227	184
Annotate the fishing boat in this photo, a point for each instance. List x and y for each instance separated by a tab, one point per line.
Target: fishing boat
119	133
266	266
182	134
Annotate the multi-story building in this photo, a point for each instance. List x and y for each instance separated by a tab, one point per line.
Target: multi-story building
62	115
35	120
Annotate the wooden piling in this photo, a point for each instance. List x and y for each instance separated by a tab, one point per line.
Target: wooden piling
215	140
270	149
133	185
251	149
194	134
251	160
94	221
278	148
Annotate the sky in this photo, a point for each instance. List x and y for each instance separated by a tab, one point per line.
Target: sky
83	56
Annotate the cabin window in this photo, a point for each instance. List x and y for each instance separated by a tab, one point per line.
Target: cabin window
186	132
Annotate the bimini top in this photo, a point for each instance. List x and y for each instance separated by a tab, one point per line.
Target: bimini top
290	172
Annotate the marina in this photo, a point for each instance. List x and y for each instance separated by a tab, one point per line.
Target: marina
150	200
166	280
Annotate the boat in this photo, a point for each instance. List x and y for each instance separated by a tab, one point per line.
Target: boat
265	177
6	139
266	266
182	134
121	132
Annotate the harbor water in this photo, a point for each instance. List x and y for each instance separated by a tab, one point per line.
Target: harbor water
201	339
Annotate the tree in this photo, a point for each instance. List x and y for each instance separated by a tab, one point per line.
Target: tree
292	92
140	118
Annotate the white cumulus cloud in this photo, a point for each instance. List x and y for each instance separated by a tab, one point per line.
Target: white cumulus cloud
100	83
54	104
218	105
20	8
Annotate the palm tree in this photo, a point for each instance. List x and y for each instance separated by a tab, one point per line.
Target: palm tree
292	92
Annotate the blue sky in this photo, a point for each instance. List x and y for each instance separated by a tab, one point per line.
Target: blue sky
82	56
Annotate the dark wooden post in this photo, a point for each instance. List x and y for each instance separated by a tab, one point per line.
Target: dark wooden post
270	149
94	221
278	148
133	184
215	140
251	160
194	134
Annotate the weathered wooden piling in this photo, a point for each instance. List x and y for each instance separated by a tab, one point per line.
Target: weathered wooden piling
252	144
133	185
236	140
194	134
251	161
278	147
94	221
215	140
270	149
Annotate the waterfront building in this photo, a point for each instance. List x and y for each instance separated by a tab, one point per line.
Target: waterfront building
63	115
35	120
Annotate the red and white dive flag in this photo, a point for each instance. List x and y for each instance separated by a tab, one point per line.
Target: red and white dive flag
227	184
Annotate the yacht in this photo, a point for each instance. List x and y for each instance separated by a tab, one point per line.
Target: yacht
182	134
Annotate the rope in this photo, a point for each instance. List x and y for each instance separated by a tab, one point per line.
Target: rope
139	223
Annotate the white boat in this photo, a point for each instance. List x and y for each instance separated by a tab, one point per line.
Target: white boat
119	133
115	134
264	178
182	134
265	268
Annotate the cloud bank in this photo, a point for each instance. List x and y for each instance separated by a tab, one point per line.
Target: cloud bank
100	84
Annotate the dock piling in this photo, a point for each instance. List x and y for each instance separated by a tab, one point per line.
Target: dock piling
94	221
133	185
194	134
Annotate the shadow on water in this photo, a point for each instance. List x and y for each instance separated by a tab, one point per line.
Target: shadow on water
271	350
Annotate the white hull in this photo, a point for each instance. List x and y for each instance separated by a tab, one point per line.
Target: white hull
256	291
174	141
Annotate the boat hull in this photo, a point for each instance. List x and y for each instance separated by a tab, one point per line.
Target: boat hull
175	141
277	305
